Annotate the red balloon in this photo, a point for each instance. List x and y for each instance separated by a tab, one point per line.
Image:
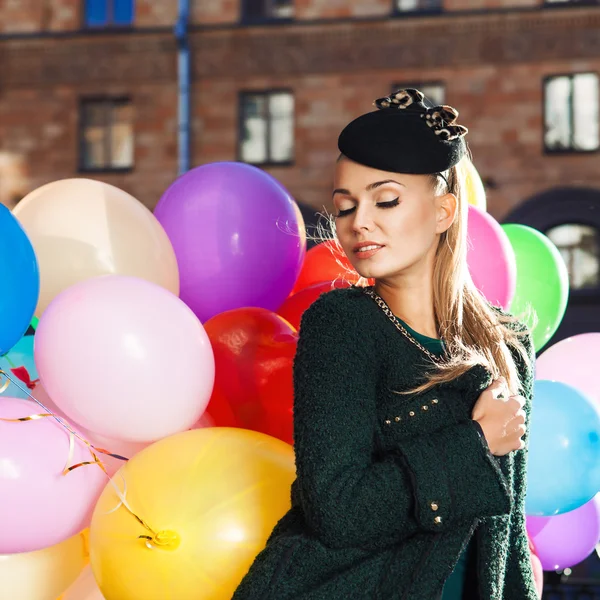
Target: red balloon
254	351
325	262
293	308
538	571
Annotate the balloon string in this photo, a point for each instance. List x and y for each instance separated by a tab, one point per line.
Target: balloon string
166	539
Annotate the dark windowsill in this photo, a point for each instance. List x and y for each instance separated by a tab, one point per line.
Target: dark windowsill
417	12
105	170
265	20
568	151
589	293
570	3
268	164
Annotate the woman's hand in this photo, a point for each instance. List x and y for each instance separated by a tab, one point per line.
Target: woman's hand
502	419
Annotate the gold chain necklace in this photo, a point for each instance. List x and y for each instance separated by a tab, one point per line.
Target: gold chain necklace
394	319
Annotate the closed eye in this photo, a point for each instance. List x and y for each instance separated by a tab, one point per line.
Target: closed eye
390	204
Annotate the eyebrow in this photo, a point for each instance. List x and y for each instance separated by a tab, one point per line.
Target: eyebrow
369	188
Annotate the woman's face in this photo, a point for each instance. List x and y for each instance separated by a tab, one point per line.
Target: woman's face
388	223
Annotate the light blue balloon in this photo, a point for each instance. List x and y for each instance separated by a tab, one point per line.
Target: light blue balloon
19	281
21	355
564	450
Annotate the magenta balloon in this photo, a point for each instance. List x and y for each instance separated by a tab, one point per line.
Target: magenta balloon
571	361
565	540
39	506
236	236
491	258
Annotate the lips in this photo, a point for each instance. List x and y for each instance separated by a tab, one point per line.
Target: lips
366	247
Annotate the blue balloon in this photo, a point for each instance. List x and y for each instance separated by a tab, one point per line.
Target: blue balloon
564	450
19	281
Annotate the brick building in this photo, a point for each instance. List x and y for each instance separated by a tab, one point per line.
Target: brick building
90	88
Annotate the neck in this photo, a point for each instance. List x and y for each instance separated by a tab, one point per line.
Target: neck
410	298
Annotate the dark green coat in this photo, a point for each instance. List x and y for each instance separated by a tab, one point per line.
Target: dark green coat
390	488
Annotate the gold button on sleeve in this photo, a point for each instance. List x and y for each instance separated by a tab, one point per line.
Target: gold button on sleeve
438	520
434	506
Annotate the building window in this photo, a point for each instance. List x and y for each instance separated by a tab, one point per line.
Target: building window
106	134
571	113
579	246
267	127
109	13
267	10
408	6
435	93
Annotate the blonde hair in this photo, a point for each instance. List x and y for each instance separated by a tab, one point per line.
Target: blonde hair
474	332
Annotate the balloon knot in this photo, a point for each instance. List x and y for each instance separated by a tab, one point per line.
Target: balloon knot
166	539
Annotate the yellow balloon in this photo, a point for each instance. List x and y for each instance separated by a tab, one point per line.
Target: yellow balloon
84	588
44	574
473	186
210	498
82	228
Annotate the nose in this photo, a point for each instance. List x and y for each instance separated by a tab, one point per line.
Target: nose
363	220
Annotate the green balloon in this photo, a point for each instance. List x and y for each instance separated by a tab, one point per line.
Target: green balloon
542	281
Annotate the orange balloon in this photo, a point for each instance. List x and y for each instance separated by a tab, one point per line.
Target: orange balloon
81	228
325	262
293	308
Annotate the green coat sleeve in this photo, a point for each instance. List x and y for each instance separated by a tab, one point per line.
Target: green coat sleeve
347	497
519	581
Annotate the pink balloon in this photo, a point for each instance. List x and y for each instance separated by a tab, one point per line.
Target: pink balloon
125	358
571	361
39	506
491	258
565	540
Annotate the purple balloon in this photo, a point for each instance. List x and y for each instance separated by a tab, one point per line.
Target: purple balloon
565	540
236	235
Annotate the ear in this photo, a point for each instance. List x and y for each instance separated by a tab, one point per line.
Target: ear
446	208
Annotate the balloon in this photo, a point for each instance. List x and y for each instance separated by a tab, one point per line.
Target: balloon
84	588
538	571
491	258
565	540
564	450
542	280
473	186
211	497
19	364
39	506
325	262
20	281
254	350
82	228
293	308
236	235
125	358
570	361
44	574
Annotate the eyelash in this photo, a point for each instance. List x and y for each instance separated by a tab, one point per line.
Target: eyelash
390	204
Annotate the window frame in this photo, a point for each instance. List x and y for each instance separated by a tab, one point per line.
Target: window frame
81	126
570	150
110	24
247	19
592	291
242	94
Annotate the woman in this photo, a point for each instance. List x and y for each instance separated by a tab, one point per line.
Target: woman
409	425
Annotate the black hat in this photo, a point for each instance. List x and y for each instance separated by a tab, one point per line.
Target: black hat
405	136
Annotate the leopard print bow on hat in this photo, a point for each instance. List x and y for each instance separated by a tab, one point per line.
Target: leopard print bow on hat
442	119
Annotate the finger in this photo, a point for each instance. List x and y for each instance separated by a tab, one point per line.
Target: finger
518	399
516	403
520	416
497	387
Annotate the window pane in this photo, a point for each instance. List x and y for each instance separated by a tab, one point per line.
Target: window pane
281	113
254	129
123	12
94	136
579	246
96	12
557	113
585	115
282	9
122	136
